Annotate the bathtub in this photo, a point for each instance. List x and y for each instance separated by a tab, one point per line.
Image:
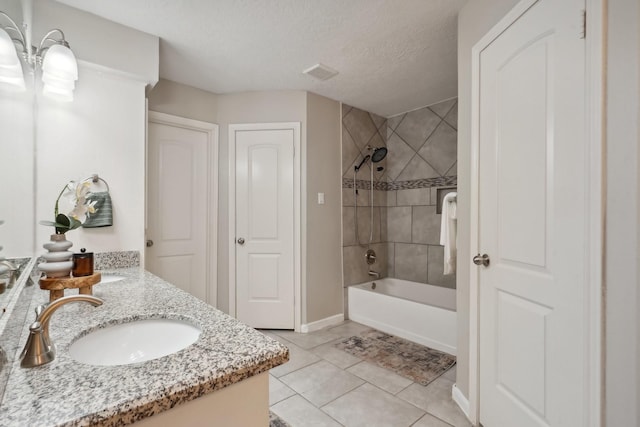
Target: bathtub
424	314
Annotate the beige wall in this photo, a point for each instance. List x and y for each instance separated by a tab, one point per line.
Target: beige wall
475	19
183	101
250	107
324	237
321	282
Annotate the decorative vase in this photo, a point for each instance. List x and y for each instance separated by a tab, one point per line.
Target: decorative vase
58	261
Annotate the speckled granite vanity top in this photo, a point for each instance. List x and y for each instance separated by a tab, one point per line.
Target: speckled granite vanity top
68	393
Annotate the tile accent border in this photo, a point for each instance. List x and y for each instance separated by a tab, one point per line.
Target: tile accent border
120	259
442	181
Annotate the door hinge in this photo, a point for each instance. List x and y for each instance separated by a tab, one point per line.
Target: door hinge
583	34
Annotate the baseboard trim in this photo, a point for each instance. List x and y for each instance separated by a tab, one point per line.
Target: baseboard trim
322	323
460	400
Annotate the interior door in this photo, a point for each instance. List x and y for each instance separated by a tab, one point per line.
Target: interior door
265	227
532	221
177	206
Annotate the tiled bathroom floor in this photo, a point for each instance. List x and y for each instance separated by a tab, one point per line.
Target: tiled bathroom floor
324	386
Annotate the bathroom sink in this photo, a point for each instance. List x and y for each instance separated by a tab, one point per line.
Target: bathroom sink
108	278
134	342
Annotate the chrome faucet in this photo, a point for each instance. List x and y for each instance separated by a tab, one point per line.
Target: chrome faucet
374	274
39	349
12	270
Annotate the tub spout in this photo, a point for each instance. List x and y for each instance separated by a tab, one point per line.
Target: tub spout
374	274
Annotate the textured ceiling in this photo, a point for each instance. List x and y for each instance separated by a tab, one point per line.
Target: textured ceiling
393	55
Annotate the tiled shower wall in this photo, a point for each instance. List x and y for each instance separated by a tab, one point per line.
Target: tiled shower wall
422	156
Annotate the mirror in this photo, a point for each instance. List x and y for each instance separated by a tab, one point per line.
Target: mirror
17	142
17	191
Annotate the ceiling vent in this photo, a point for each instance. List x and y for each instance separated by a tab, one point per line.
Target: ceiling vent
320	72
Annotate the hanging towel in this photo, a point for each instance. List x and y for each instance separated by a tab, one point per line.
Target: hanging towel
104	211
448	231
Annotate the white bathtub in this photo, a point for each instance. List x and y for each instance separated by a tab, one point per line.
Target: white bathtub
424	314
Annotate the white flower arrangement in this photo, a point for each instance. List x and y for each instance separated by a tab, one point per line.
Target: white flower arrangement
82	208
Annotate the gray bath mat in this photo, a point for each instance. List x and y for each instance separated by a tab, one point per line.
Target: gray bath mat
413	361
276	421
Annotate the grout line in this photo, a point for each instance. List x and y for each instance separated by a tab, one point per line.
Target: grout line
412	383
400	122
342	395
448	111
345	370
415	153
346	128
451	167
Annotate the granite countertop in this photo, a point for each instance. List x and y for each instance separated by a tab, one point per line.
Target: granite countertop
68	393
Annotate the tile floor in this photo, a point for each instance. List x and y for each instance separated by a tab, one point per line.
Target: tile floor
324	386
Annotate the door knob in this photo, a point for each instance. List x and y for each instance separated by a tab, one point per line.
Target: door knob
241	241
149	243
481	260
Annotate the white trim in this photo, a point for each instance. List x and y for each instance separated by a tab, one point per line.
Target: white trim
297	263
211	130
118	73
143	253
322	323
474	312
460	400
595	208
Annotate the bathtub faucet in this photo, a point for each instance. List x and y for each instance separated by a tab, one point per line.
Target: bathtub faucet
374	274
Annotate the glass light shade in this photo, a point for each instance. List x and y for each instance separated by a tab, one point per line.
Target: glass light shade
59	83
59	73
59	61
11	76
58	89
59	94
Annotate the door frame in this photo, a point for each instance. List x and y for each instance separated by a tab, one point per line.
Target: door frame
595	207
211	131
297	247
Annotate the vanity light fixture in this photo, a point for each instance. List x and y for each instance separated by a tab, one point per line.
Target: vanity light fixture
11	75
53	55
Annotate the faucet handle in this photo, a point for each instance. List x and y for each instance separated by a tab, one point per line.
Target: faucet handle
37	351
39	309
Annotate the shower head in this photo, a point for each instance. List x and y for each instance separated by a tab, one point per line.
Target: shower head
378	154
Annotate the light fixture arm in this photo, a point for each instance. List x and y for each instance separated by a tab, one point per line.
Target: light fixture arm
46	38
13	28
20	39
39	52
53	56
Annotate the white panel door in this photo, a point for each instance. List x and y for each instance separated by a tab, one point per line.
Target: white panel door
177	211
265	228
532	221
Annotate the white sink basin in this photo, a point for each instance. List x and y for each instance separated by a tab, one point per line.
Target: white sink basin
134	342
108	278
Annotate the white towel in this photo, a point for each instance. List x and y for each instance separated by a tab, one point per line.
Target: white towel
448	228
